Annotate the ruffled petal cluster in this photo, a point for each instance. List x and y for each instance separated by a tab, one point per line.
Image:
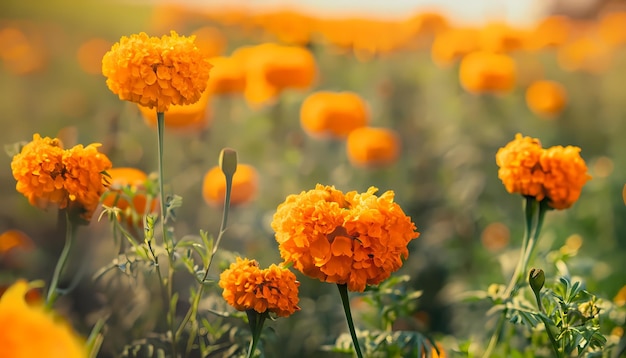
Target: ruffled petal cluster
157	72
48	174
31	331
247	287
556	174
357	239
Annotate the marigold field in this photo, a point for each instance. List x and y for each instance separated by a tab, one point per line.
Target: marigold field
182	182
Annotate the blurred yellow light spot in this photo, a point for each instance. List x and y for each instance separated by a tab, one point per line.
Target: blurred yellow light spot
495	236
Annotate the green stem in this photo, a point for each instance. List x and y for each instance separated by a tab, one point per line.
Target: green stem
70	230
193	310
256	321
166	240
530	209
495	336
343	292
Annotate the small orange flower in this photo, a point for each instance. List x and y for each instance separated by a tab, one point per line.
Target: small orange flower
333	114
22	54
552	31
373	147
546	98
247	287
245	185
519	167
611	28
135	180
23	321
620	297
210	41
495	236
186	117
451	45
156	72
354	239
271	69
46	174
556	174
228	75
500	37
566	174
482	72
14	245
89	55
624	194
38	169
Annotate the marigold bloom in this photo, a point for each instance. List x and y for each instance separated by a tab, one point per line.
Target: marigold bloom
247	287
373	147
611	28
482	72
135	180
566	174
156	72
245	185
89	55
519	167
552	31
333	114
451	45
46	174
354	239
546	98
187	117
22	322
38	169
556	174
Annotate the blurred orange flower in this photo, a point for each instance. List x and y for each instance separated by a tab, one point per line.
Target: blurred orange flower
210	40
46	173
373	147
354	239
546	98
501	37
14	239
135	180
228	75
184	117
483	71
566	174
585	54
89	55
20	53
552	31
272	68
624	194
247	287
245	185
620	297
156	72
556	174
290	27
495	236
611	28
23	321
451	45
333	114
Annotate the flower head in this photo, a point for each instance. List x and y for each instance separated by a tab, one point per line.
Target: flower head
333	114
556	174
133	180
356	239
47	174
245	185
546	98
156	72
373	147
24	322
247	287
566	174
487	72
519	167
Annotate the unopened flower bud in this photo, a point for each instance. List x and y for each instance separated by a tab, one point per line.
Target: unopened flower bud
228	161
536	279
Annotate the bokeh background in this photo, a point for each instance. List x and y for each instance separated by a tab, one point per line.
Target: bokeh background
404	62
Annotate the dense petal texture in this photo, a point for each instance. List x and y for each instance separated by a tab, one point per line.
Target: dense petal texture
31	331
354	239
47	174
247	287
557	174
519	167
157	72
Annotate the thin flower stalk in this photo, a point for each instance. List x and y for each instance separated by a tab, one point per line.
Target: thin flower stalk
70	231
343	292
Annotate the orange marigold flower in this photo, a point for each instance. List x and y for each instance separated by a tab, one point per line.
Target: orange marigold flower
565	175
620	297
333	114
245	185
22	322
156	72
46	173
38	169
373	147
546	98
520	170
354	239
84	179
228	75
247	287
483	71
